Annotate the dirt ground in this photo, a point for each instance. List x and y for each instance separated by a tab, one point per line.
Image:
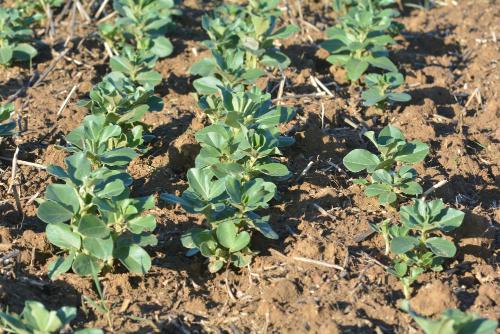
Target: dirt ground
449	55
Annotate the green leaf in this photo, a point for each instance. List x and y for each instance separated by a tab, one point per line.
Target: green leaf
399	97
441	247
413	152
52	213
24	52
162	47
92	226
449	219
200	181
40	319
273	169
61	235
134	258
99	248
85	265
118	157
112	189
60	266
215	266
355	68
141	224
6	54
207	85
149	78
285	32
401	245
359	159
241	241
121	64
226	233
382	176
204	67
383	63
411	188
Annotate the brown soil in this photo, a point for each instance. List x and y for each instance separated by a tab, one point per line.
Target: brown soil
447	53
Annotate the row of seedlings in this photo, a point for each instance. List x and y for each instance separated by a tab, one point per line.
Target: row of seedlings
16	45
234	174
90	216
415	243
16	39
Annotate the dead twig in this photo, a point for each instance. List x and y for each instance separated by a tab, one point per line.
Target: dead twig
324	212
304	172
13	187
25	163
66	100
433	188
306	260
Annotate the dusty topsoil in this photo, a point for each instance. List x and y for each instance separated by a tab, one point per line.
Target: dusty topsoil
449	55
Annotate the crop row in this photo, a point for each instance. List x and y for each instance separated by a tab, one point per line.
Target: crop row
94	222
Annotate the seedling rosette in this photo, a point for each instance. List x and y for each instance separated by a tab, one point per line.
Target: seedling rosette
142	25
414	242
36	319
390	175
14	38
380	89
104	144
233	174
138	66
242	42
359	42
229	207
452	321
93	221
7	126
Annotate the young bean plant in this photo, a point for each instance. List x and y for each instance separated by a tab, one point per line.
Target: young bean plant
138	66
390	173
380	89
359	41
416	243
36	10
233	174
14	38
93	221
103	143
242	42
7	125
342	6
141	24
36	319
123	103
452	321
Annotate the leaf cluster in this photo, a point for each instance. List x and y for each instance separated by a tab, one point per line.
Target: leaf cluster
7	125
242	43
359	43
414	242
14	37
390	173
380	89
453	321
36	319
91	218
36	10
233	175
142	25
